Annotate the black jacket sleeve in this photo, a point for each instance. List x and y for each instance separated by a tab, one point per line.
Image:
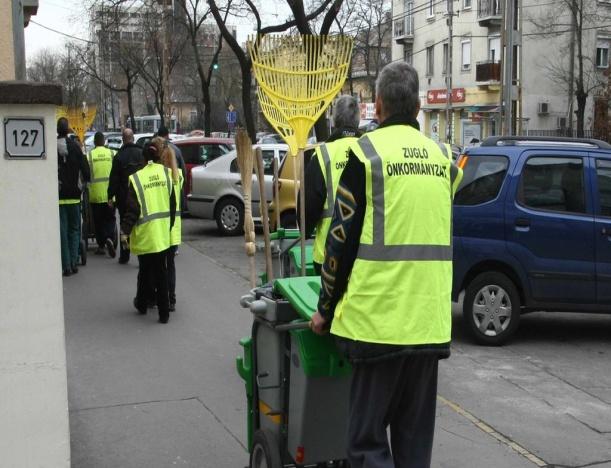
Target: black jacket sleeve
315	195
114	179
132	211
84	165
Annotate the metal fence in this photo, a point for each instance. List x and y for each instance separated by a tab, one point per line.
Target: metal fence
566	132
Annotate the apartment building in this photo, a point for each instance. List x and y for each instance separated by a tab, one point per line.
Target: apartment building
540	90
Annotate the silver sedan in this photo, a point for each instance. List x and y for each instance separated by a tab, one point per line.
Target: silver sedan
216	191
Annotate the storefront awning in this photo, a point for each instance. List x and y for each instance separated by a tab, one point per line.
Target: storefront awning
483	109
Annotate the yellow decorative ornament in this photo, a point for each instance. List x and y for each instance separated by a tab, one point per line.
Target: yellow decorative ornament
79	118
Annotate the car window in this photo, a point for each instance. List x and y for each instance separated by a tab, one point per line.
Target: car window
268	160
483	178
190	153
211	151
603	173
553	184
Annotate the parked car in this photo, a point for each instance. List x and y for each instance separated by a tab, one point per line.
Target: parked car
216	191
142	139
201	150
532	231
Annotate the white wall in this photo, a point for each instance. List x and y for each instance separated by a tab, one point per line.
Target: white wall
34	428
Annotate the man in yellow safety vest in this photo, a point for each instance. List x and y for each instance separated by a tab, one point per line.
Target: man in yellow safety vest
100	162
148	221
387	278
323	172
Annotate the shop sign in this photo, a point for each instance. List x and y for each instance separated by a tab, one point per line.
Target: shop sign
368	110
440	96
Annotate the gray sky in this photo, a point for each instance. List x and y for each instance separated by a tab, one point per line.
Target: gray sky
69	17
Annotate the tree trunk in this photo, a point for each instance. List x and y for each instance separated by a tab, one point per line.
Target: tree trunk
249	117
130	102
207	111
581	97
580	92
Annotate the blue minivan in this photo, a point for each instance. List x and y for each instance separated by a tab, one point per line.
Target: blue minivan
532	231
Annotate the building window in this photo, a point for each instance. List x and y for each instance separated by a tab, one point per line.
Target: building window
444	65
466	4
602	53
431	9
466	54
408	51
430	61
494	49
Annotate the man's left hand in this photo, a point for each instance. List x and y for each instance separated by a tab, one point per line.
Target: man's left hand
318	324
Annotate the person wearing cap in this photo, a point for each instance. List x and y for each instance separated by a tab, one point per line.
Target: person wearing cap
148	222
387	278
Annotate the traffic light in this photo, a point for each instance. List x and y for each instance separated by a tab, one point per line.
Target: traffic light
215	66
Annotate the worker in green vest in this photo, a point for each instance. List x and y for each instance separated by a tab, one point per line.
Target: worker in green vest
387	278
100	162
148	221
323	172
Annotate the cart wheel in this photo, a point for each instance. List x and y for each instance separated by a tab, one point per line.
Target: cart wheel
265	450
83	252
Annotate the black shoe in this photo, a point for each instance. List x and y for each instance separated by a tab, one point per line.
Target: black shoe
110	245
164	319
172	307
151	304
100	251
66	272
123	261
140	311
74	270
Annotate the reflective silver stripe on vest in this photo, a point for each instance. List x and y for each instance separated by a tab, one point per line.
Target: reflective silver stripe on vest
144	216
378	251
443	149
327	160
151	217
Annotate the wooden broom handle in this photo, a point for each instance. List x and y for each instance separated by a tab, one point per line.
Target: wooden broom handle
264	213
277	191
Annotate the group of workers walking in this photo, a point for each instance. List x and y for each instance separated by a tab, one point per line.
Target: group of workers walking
146	186
382	207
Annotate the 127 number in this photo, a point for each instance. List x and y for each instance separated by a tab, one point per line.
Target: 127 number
28	137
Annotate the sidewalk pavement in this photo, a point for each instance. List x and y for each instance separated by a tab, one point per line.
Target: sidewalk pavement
146	395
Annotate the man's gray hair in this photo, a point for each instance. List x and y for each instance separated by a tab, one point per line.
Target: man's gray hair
127	136
398	88
346	112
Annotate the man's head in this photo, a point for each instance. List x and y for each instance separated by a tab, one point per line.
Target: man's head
127	135
397	91
346	112
98	139
163	132
63	127
150	152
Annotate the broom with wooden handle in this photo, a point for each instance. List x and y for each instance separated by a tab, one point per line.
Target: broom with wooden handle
264	213
245	164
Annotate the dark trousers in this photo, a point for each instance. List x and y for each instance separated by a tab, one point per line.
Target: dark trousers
70	233
153	282
401	393
124	250
171	273
104	222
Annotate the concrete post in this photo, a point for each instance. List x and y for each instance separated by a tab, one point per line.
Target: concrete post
33	381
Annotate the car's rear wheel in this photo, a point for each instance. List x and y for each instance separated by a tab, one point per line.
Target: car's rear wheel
491	308
229	217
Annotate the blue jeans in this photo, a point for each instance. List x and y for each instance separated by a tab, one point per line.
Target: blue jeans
70	233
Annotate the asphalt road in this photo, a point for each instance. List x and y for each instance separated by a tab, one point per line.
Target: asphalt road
148	395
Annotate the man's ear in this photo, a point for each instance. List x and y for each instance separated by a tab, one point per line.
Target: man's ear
379	108
417	111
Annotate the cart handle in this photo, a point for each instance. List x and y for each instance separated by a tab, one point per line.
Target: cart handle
293	326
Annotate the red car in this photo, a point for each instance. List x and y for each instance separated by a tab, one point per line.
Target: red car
201	150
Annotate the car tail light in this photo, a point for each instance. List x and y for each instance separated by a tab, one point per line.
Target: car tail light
462	161
300	455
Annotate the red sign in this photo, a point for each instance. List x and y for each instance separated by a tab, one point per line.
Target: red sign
440	96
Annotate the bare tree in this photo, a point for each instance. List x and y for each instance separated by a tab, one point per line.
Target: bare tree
574	18
300	20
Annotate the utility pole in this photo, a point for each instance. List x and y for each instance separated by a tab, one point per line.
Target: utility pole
449	113
508	68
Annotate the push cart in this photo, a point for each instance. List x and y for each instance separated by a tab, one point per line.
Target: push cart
297	384
287	241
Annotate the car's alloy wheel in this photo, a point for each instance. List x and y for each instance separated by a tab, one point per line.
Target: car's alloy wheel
491	308
230	217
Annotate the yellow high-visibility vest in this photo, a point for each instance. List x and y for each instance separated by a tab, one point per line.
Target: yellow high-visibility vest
332	158
153	187
400	285
100	164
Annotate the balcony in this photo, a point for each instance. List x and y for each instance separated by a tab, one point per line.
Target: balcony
489	12
403	30
488	72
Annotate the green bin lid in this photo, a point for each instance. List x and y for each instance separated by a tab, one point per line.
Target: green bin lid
301	292
295	256
282	233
